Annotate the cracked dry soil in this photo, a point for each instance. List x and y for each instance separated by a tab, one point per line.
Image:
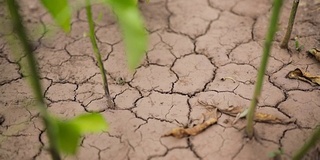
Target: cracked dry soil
193	44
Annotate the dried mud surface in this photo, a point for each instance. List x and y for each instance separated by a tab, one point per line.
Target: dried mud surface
193	44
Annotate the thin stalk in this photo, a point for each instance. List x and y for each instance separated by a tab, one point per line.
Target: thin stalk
315	137
97	53
33	76
266	51
285	41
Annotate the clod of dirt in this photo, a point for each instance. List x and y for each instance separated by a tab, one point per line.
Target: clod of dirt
315	52
183	132
304	76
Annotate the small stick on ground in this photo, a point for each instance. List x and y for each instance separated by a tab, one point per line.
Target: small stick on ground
285	41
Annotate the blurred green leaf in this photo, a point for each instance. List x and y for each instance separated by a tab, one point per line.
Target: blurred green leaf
60	11
68	137
69	132
275	153
91	122
132	26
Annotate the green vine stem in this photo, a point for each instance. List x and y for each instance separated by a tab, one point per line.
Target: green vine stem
315	137
33	77
263	65
285	41
97	54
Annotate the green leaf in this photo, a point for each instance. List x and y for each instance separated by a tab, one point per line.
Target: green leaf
60	11
91	122
68	137
69	132
275	153
132	26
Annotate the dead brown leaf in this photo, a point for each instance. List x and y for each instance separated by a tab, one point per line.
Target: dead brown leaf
206	105
315	52
232	110
268	118
183	132
240	112
304	76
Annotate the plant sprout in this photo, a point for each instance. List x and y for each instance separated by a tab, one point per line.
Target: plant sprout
285	41
135	36
263	65
98	55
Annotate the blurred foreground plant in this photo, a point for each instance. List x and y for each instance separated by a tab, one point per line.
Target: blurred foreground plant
263	65
63	135
312	141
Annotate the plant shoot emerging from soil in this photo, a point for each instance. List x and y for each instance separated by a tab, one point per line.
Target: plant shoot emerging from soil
97	54
263	65
285	41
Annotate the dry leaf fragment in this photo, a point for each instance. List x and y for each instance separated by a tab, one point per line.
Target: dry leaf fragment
268	118
315	52
263	117
304	76
240	112
183	132
241	115
232	110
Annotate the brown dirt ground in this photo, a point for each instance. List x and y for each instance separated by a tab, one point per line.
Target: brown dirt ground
193	44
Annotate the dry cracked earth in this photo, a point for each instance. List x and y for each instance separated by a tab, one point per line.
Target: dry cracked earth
193	44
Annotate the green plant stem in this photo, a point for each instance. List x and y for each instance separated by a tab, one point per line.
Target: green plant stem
285	41
263	65
315	137
33	76
97	53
